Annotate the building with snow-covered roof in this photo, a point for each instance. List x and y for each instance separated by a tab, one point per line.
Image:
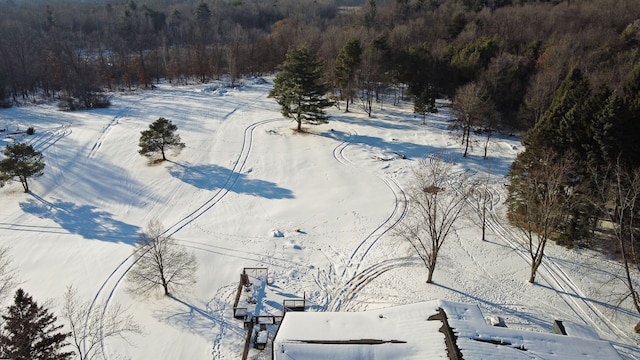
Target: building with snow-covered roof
427	330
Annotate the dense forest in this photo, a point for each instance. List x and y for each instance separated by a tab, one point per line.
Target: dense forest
518	50
563	74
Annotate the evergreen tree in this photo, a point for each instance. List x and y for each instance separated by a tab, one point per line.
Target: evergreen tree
604	148
562	127
30	332
22	162
416	69
298	87
629	128
347	62
160	137
425	103
566	128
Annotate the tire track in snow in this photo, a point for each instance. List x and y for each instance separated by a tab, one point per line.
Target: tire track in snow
558	280
105	131
350	281
494	200
110	285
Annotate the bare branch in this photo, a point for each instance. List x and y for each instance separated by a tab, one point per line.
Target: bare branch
437	198
161	264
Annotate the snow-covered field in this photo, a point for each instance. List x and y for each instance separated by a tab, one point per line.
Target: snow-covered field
316	209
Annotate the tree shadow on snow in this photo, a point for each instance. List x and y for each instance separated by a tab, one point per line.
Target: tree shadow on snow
85	220
409	150
611	307
211	177
497	163
199	320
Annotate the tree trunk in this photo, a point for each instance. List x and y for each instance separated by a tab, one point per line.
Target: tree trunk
535	264
25	184
432	264
632	291
467	135
165	285
486	144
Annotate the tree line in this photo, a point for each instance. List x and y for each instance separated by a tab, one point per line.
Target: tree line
519	51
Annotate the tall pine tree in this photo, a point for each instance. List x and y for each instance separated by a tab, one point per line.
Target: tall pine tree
565	129
561	128
347	62
299	89
30	332
628	130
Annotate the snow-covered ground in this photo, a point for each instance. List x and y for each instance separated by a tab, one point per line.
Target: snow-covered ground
316	209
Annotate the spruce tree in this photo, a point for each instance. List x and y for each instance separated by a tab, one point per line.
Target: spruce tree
298	87
562	126
347	62
609	110
629	128
565	129
30	332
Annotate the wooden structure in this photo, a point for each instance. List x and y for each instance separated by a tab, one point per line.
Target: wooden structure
245	284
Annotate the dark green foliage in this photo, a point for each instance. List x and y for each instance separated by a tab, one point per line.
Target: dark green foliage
469	59
565	129
160	137
21	162
457	24
562	126
506	80
603	147
298	87
594	129
628	129
347	63
425	103
417	69
203	14
30	332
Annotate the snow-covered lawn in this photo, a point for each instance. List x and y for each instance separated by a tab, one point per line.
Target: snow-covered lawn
316	209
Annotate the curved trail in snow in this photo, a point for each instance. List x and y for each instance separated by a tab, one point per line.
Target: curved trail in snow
351	280
493	201
558	280
111	283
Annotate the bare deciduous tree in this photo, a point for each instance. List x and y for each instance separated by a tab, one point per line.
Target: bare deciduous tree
618	195
8	276
90	326
481	201
539	199
473	108
162	263
437	198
